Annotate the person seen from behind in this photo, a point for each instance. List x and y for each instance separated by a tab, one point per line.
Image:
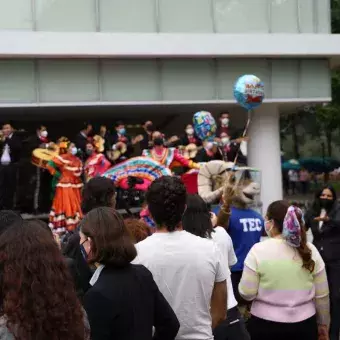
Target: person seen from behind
38	299
187	269
285	277
198	220
124	302
137	229
323	218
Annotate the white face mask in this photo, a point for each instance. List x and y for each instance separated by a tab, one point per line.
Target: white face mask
209	146
225	121
74	150
44	134
190	131
225	140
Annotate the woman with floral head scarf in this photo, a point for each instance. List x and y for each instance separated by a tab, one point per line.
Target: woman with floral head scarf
285	277
66	211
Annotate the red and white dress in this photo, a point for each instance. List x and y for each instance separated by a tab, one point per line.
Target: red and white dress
66	207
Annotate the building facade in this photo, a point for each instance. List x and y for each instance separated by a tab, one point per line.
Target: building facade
170	53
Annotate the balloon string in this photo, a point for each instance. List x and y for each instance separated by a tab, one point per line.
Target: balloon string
245	132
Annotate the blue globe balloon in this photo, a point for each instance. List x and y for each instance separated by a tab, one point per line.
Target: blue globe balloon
249	91
204	125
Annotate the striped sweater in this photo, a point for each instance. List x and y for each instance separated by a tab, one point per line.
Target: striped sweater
281	290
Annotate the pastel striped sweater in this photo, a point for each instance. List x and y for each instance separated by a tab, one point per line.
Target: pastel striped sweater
281	290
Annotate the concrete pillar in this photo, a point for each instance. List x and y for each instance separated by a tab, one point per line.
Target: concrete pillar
264	151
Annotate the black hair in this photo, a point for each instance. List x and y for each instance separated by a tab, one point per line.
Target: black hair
8	218
197	218
224	113
166	199
119	122
316	207
98	192
85	125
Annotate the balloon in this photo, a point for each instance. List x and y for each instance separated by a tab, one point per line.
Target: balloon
249	91
204	125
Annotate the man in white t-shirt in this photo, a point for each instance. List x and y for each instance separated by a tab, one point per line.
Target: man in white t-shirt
187	269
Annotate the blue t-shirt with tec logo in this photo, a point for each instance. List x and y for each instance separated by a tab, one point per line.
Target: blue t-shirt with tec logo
245	230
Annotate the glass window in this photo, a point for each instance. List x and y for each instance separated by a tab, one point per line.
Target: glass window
323	8
65	15
306	16
241	16
192	16
68	80
188	80
130	80
315	80
17	81
285	78
284	16
127	15
16	15
229	70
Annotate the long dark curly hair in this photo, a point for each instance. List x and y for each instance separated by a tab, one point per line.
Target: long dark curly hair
38	299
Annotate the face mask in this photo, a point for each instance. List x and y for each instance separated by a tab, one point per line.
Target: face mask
89	152
44	134
158	141
122	131
149	128
209	146
190	131
74	151
225	140
326	203
225	121
268	230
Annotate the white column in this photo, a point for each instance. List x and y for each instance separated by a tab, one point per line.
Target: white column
264	151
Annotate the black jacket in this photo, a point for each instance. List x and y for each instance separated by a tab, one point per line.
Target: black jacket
126	303
15	146
326	239
81	142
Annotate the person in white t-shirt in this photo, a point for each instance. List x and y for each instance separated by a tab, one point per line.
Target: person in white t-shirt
187	269
198	220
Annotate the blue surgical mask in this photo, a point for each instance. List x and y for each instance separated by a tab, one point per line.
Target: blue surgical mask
122	131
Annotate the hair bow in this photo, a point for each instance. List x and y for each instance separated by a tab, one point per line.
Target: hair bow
291	227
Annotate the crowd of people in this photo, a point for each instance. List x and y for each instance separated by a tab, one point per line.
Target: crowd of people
112	278
38	175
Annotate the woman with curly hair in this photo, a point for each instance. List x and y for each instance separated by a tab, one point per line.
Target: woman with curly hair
38	299
66	212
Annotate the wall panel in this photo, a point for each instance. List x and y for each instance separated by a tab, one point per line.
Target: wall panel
17	81
65	15
188	80
16	15
191	16
68	80
130	80
127	16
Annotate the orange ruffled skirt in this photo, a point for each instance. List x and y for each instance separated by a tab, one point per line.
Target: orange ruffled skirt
66	212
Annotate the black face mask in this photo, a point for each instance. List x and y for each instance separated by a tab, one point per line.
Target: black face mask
149	128
326	204
158	141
